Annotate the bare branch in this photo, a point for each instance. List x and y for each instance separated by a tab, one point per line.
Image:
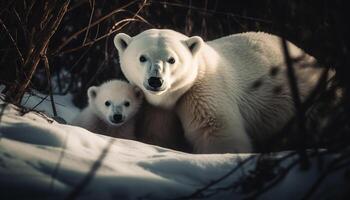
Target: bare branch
330	169
208	11
16	93
125	21
298	106
114	29
74	35
90	20
199	193
47	69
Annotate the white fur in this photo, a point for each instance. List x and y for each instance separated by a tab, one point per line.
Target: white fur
160	127
224	91
97	117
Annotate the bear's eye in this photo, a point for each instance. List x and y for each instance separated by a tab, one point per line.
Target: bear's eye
171	60
127	103
143	58
107	103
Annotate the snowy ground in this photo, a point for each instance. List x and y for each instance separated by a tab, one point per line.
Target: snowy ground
42	159
63	104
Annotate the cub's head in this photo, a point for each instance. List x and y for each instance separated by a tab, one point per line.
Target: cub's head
159	61
115	101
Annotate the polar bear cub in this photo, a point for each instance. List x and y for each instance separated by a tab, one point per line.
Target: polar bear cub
111	110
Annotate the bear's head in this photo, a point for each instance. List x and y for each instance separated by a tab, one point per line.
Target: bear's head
163	63
115	102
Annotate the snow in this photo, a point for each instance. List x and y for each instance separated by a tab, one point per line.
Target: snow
40	158
63	104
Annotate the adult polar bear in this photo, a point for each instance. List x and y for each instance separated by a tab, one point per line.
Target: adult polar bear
226	92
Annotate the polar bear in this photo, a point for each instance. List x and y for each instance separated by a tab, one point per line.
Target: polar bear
230	94
112	109
161	127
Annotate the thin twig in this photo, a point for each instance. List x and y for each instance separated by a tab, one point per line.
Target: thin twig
125	21
33	58
47	69
217	190
40	102
42	99
316	92
206	11
276	181
21	24
90	20
331	168
29	10
77	5
122	23
74	35
198	193
297	102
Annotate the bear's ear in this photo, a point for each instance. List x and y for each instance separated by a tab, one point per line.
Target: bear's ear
121	41
194	44
92	92
138	92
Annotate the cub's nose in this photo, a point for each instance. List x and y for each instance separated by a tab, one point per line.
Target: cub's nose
117	118
155	82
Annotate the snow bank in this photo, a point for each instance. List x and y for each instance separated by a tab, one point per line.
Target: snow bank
40	158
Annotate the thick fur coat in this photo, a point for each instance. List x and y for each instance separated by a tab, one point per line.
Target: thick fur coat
112	109
230	94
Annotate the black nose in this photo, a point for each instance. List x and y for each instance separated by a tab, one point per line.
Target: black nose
117	117
155	82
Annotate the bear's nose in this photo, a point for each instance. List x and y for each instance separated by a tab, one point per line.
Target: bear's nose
155	82
117	117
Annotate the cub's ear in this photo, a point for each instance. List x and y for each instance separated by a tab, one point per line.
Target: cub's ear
92	92
194	44
121	41
138	92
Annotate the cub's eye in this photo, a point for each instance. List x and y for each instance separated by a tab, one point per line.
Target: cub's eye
107	103
171	60
142	58
127	103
